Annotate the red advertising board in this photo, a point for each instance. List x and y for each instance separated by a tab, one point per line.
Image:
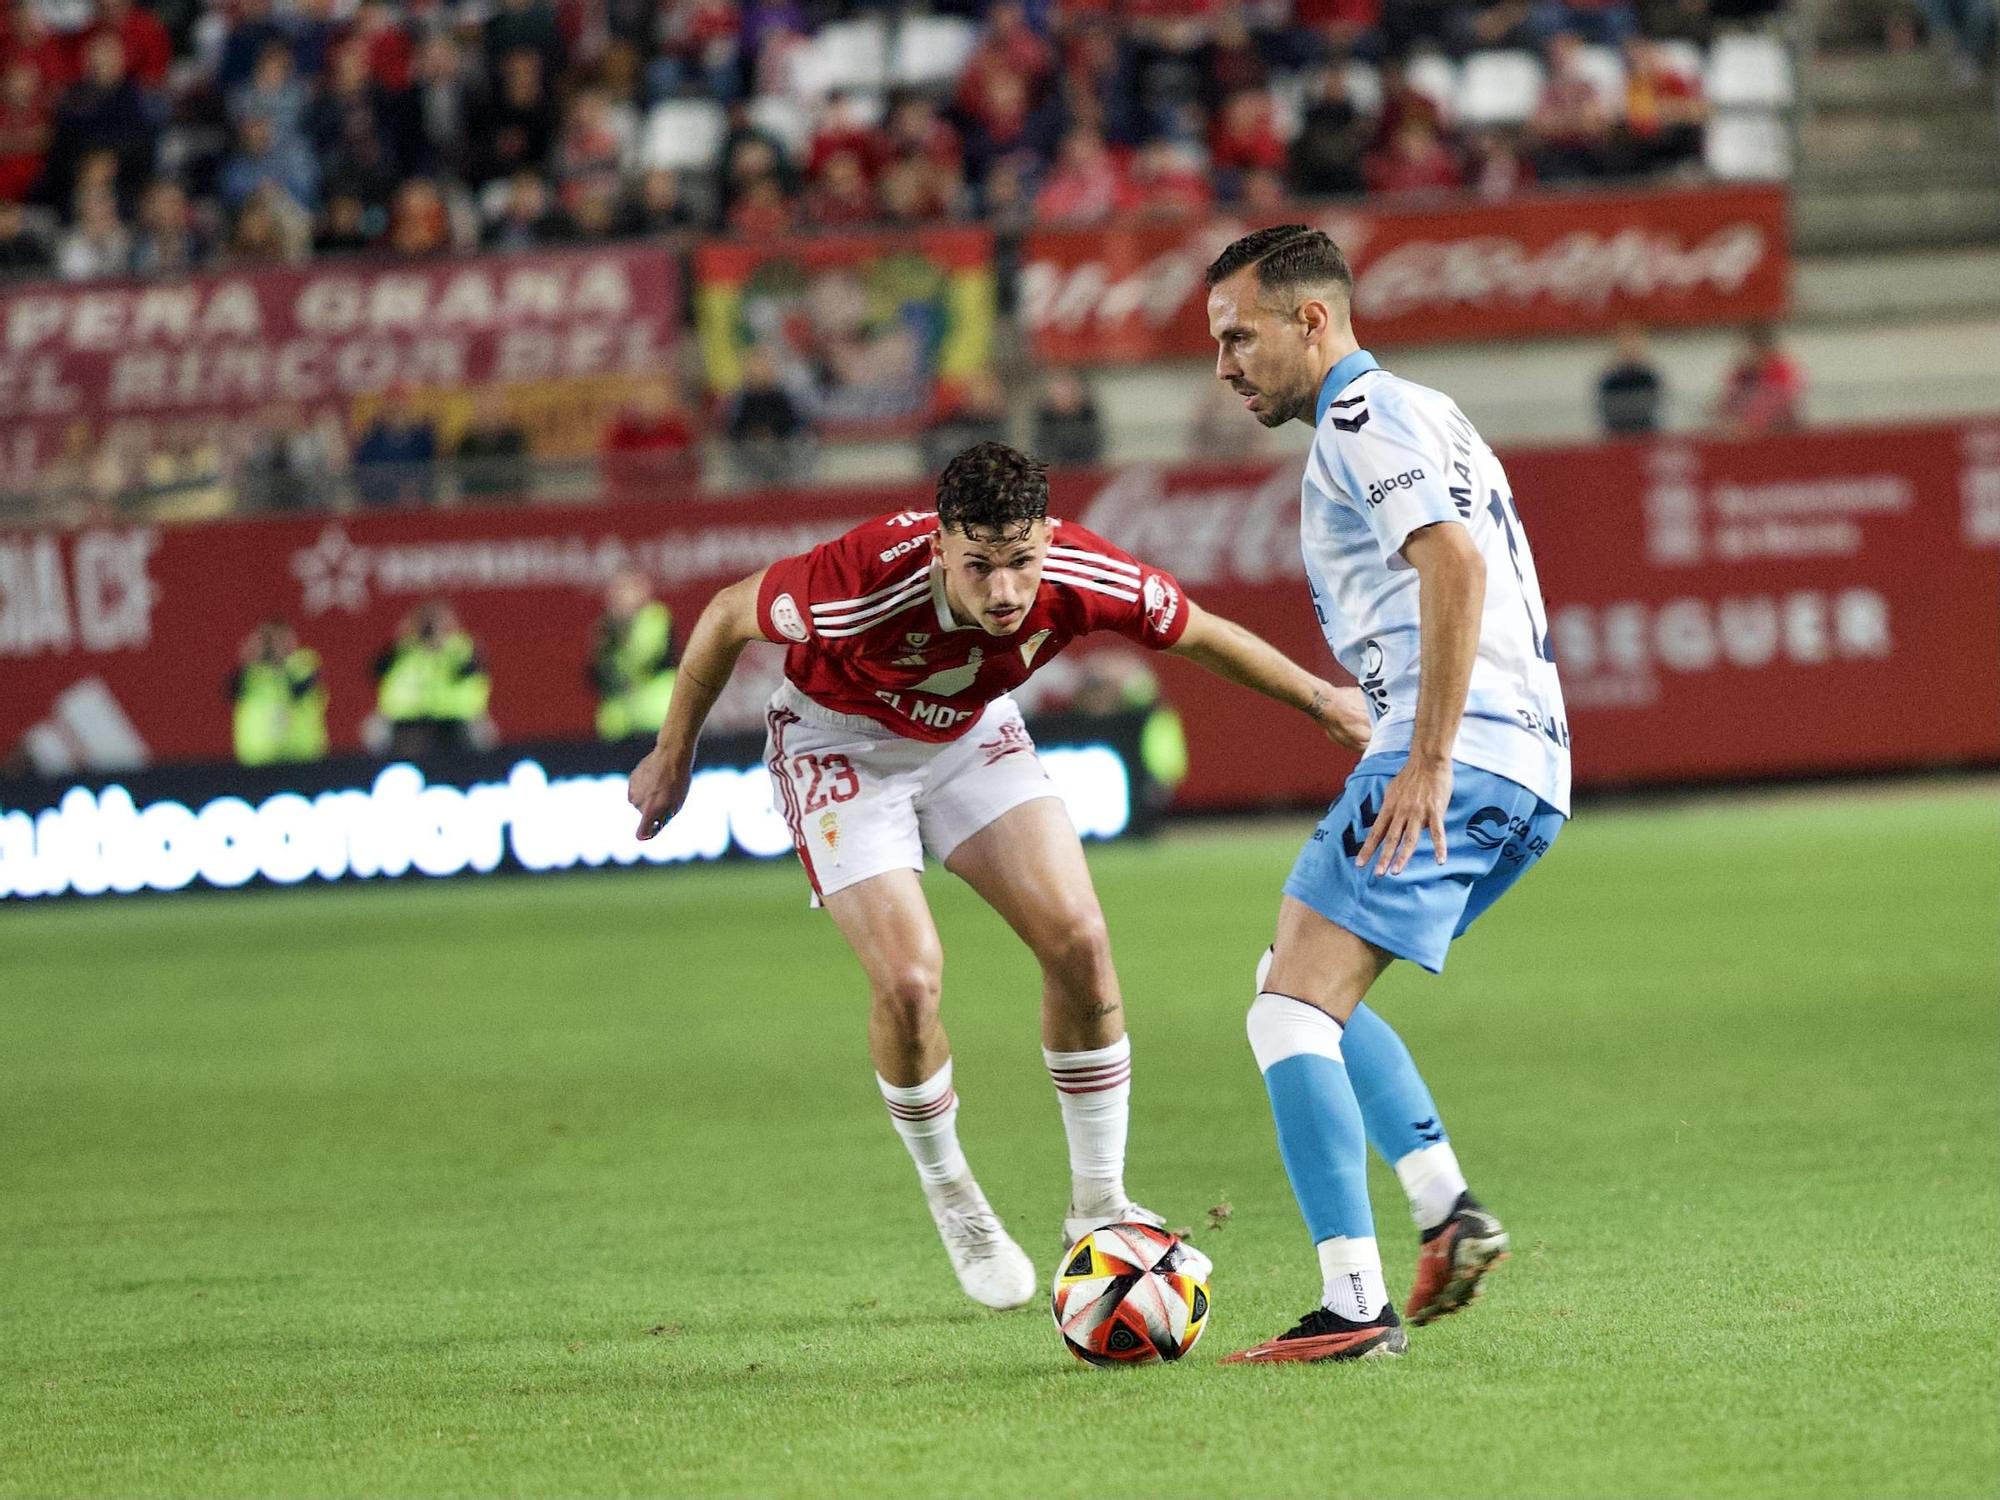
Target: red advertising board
140	358
1537	265
1814	603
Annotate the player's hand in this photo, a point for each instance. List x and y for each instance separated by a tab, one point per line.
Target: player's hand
1415	800
1343	714
658	787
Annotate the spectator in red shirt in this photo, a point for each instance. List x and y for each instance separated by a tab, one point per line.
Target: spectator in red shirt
1346	28
1246	135
1009	45
843	197
1664	111
760	210
1499	168
1402	101
1087	185
649	444
1764	391
1417	162
29	41
1230	62
915	129
148	48
1570	128
843	131
24	130
1170	183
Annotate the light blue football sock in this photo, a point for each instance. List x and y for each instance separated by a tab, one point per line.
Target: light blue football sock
1401	1117
1323	1144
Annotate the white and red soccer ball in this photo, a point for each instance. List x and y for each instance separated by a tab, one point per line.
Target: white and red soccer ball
1130	1294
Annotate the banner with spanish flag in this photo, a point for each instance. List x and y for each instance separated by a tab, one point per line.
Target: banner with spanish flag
866	332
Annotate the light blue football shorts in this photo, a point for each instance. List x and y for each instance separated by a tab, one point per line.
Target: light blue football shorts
1494	832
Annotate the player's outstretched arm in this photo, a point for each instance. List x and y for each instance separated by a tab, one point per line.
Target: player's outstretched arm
727	625
1451	598
1230	651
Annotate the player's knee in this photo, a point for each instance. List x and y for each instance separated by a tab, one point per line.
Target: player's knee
1078	945
907	997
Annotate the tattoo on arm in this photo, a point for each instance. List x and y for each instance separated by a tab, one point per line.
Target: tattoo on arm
1318	703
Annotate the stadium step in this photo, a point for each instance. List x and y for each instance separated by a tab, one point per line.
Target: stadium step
1826	221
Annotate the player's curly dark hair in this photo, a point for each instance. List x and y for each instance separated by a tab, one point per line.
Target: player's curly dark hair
1288	257
992	488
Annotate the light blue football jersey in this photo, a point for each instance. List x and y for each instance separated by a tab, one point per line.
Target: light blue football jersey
1389	457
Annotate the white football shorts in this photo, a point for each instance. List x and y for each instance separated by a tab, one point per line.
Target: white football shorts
862	800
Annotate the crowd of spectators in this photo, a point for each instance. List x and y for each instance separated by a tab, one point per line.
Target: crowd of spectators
147	139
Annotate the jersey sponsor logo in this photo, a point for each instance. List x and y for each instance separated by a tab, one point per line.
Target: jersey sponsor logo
785	615
902	547
1382	489
952	681
1033	644
1162	602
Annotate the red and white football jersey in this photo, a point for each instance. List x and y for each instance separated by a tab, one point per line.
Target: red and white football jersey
869	632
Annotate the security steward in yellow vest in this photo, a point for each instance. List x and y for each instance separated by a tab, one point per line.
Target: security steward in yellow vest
280	703
632	667
432	684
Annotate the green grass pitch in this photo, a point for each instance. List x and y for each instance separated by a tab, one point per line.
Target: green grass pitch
581	1187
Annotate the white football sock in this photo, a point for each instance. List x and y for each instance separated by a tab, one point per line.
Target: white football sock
926	1117
1432	1180
1094	1089
1351	1273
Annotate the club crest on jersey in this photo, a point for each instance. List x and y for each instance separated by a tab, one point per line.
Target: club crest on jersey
1031	645
785	615
916	640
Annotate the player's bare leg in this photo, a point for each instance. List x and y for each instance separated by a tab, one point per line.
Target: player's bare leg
887	923
1028	865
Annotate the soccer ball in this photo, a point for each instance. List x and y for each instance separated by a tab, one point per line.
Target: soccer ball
1130	1294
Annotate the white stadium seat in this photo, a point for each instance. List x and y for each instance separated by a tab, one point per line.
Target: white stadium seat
932	49
1364	87
789	119
685	134
850	55
1606	71
1288	104
1751	146
1436	78
1749	72
1499	88
1682	57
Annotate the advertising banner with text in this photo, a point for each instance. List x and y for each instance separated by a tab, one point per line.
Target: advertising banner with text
1816	603
154	362
1538	265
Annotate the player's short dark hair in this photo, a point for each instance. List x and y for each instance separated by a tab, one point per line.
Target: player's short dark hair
991	487
1288	257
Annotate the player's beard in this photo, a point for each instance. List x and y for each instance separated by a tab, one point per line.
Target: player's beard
1276	408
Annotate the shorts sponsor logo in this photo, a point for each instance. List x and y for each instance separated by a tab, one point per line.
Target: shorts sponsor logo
1382	489
785	615
1488	827
1011	740
1373	682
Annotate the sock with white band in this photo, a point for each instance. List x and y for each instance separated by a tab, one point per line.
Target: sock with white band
1401	1117
926	1117
1094	1090
1324	1146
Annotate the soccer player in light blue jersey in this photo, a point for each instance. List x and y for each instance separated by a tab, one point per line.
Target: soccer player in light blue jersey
1425	589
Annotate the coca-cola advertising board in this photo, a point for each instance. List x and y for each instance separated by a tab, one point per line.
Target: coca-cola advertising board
146	361
1538	265
1813	603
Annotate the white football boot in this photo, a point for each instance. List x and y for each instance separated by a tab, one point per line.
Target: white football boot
994	1271
1077	1225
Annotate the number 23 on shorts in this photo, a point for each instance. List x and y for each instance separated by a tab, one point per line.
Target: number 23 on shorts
826	778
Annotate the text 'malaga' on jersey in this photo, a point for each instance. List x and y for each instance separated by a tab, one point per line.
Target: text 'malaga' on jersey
1389	458
868	630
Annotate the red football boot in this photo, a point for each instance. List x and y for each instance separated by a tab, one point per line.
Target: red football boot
1454	1258
1322	1337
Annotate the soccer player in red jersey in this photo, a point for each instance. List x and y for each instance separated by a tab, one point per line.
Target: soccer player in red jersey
893	733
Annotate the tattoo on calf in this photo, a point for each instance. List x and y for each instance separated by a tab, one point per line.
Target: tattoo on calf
1102	1009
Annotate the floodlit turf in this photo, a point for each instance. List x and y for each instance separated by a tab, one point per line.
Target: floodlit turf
581	1187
